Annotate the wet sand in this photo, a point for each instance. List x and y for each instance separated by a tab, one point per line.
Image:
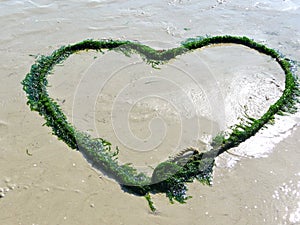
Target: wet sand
55	185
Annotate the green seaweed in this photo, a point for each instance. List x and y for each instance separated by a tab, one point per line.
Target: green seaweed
150	202
218	140
169	177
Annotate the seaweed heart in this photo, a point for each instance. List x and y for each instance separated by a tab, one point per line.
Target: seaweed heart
171	176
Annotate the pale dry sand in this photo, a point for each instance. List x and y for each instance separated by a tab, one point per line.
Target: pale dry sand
57	186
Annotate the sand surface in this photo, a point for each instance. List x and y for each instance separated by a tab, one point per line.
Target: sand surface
149	114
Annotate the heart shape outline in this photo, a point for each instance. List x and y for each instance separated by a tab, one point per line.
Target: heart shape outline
174	176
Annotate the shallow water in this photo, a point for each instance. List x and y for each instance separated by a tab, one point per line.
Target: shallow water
150	114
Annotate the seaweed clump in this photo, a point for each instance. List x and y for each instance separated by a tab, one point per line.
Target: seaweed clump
169	177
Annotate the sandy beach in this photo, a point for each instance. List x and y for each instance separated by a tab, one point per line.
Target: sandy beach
149	114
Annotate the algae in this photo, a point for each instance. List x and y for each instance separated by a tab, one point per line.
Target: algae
169	177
